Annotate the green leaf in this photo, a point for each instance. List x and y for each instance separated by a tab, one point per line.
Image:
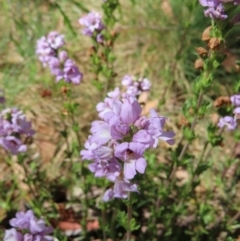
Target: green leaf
134	225
202	167
80	5
66	19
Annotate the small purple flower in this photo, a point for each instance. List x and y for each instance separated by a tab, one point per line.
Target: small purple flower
235	99
215	9
88	153
71	72
13	235
12	144
108	195
209	3
13	125
127	80
122	186
92	23
228	121
216	13
22	220
47	46
56	68
55	40
29	228
109	103
236	113
131	111
64	68
120	189
132	91
109	169
132	155
60	65
101	133
145	84
100	38
134	86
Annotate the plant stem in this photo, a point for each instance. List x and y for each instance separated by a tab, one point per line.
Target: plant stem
129	217
103	224
185	147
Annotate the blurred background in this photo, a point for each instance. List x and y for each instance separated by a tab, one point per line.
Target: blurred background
157	39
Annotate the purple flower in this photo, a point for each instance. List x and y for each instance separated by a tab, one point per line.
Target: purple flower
145	84
30	228
92	23
100	38
216	13
64	68
117	143
132	91
22	220
132	155
209	3
155	128
55	40
56	68
20	124
46	46
127	80
215	9
12	235
108	195
134	86
109	103
13	125
60	65
71	72
122	186
143	137
38	227
120	189
88	153
236	113
235	99
109	169
228	121
101	133
130	111
12	144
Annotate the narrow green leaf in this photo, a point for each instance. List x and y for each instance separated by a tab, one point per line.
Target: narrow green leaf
66	20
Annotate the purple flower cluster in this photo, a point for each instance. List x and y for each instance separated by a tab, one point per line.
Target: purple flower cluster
93	25
215	8
28	228
134	87
60	65
117	144
13	125
229	121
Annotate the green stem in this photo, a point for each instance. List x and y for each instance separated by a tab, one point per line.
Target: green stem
103	224
185	147
129	217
